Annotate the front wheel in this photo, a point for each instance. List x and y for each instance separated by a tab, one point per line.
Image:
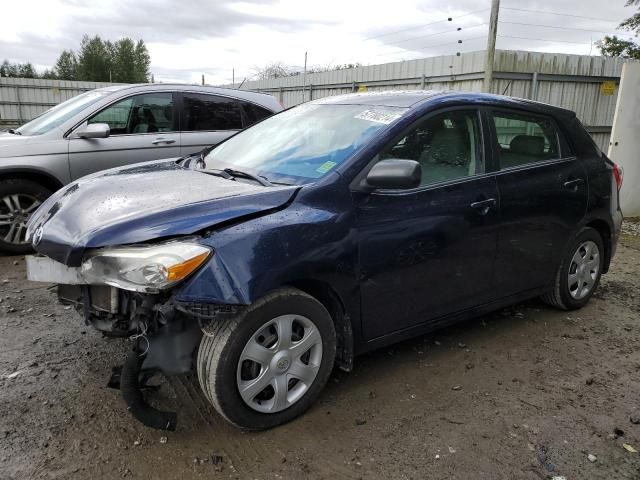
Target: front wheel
19	198
269	364
579	273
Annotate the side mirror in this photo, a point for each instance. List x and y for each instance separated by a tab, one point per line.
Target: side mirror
395	173
93	130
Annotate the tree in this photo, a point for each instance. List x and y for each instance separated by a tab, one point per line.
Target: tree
8	69
66	67
94	60
273	70
49	74
142	63
123	61
617	47
633	22
24	70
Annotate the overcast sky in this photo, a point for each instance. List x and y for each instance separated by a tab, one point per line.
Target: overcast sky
189	38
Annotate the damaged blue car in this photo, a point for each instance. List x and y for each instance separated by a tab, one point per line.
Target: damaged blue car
327	230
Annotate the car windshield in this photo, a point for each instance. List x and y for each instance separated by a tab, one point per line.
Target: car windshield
59	114
304	143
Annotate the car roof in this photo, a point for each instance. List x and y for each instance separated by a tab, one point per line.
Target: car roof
415	98
263	99
387	98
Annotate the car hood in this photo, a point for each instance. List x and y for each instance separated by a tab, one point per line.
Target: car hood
141	203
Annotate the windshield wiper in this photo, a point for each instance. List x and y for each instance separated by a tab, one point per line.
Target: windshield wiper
217	173
239	173
15	132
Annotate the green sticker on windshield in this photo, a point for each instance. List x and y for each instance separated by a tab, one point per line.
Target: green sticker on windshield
325	167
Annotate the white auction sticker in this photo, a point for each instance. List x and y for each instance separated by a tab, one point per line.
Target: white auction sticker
378	116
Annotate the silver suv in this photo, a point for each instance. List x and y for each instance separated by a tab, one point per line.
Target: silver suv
109	127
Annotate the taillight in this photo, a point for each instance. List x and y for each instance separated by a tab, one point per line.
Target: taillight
618	174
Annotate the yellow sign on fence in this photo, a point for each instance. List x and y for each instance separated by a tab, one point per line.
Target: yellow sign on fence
362	88
608	88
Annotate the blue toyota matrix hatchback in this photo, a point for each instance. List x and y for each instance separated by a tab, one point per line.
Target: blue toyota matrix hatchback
332	228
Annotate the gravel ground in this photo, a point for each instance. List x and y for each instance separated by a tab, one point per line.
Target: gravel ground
525	393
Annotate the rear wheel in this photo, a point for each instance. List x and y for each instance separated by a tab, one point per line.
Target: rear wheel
18	200
269	364
579	273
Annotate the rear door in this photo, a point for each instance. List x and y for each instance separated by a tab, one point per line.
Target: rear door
429	251
143	127
207	120
543	196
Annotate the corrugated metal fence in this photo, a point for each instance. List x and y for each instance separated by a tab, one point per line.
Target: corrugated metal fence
585	84
22	99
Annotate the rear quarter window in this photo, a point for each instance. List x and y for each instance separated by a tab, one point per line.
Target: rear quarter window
523	139
254	113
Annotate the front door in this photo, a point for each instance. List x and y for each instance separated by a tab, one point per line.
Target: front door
543	196
429	251
143	127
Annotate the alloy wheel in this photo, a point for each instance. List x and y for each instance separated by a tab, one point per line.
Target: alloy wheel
584	270
279	363
15	211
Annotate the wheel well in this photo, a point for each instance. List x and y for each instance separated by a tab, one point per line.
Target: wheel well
605	233
332	302
43	179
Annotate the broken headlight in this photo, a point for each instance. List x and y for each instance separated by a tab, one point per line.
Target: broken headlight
145	268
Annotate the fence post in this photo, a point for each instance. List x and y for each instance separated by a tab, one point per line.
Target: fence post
353	86
280	93
20	117
534	86
422	82
310	91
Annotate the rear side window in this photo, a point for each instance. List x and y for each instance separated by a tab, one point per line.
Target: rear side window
524	139
203	112
254	113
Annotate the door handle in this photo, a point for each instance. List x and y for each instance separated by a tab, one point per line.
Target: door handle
573	184
160	140
483	206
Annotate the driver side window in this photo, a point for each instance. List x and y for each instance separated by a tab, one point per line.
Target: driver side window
146	113
447	145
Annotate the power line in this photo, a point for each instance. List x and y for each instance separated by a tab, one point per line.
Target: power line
561	27
544	40
560	14
449	43
423	47
437	33
448	19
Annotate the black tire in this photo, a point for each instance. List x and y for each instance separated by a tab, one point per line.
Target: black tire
560	296
22	188
223	343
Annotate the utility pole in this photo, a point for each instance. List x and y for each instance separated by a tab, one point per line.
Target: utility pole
203	79
304	77
233	77
491	46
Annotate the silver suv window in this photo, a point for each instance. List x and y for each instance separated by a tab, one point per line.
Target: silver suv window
204	112
145	113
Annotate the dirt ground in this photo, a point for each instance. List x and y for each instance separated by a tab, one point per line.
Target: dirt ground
526	393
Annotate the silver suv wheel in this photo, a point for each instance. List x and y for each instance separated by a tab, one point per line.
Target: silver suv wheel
15	211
